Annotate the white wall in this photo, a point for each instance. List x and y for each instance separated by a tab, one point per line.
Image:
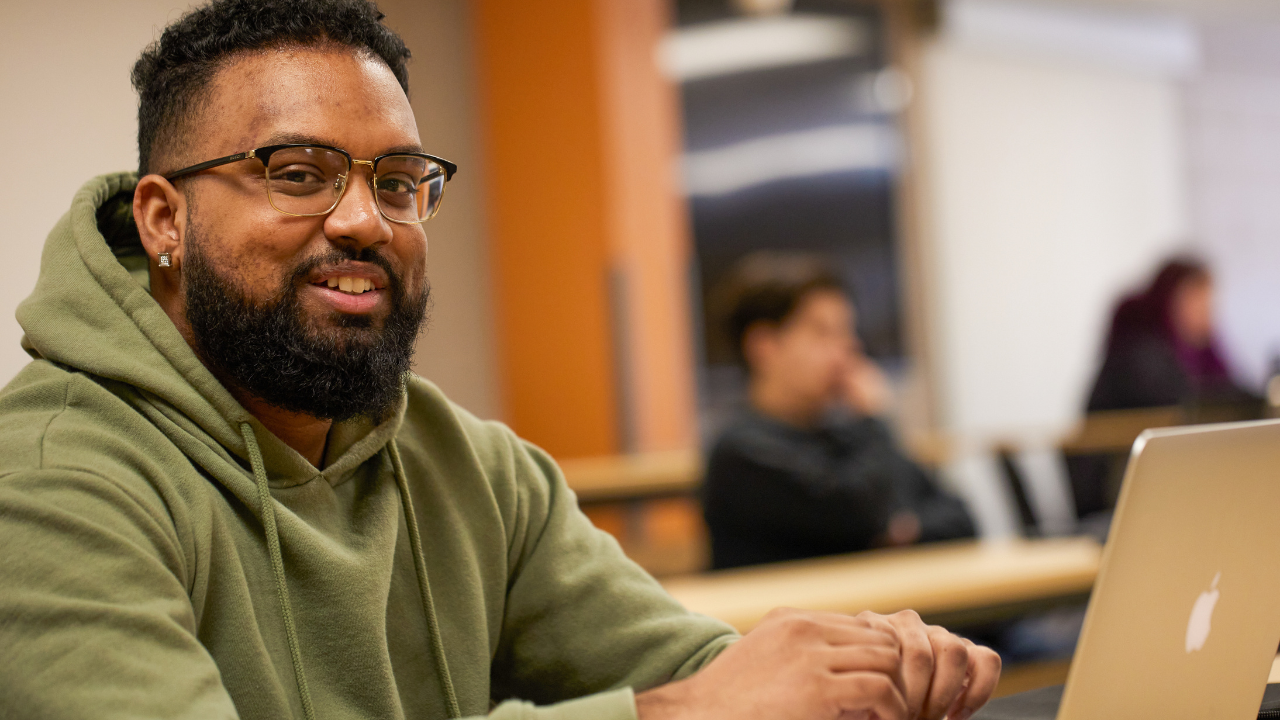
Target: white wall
69	114
457	352
1233	121
1055	181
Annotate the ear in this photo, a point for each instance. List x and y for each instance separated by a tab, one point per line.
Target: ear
160	211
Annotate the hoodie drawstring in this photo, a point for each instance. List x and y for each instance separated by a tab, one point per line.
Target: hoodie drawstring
424	585
282	589
277	563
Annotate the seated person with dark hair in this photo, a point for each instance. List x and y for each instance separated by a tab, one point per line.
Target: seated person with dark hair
809	469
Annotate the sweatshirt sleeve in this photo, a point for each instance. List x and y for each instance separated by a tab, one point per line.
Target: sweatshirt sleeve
581	618
95	620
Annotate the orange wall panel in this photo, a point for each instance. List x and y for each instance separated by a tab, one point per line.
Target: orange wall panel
542	128
589	236
648	226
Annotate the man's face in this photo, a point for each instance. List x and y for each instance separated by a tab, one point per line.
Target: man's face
252	272
810	352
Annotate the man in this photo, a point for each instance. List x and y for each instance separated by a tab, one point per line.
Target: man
809	468
224	496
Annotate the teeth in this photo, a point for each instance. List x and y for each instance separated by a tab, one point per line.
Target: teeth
351	285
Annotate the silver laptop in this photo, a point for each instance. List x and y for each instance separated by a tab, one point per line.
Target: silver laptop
1184	619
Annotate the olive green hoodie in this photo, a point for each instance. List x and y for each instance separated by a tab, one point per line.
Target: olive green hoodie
163	555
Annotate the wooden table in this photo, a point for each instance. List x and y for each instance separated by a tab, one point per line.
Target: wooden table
617	478
949	582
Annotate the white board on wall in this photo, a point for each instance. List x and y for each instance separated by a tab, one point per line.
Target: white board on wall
1054	185
1233	117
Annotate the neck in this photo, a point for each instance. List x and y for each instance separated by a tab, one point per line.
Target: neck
773	401
306	434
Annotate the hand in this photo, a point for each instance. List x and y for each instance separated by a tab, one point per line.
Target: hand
818	666
944	675
865	387
904	529
794	666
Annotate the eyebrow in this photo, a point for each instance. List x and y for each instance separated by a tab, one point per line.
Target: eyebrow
287	138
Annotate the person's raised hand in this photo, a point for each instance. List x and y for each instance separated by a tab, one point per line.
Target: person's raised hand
864	386
795	665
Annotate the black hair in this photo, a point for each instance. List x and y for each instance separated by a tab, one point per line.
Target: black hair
768	288
174	71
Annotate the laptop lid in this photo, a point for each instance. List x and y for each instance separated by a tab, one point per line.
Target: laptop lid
1184	619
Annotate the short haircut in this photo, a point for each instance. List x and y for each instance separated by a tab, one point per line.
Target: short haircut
173	74
768	287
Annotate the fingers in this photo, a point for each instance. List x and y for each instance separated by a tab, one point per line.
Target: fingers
854	646
840	633
868	691
892	667
860	658
832	629
917	658
984	675
950	671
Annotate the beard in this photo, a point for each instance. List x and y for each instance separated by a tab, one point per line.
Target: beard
274	352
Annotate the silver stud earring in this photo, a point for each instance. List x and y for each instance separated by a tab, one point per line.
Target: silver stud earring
165	260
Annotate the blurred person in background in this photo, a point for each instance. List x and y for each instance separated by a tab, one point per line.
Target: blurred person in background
809	467
1161	348
1161	351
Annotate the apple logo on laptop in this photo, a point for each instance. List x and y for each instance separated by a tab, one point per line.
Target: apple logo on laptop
1201	613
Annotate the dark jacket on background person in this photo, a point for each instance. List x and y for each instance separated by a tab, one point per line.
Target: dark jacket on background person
776	492
1147	370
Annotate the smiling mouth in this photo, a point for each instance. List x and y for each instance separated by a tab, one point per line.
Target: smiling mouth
349	285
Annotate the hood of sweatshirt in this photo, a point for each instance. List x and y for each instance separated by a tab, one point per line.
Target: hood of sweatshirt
92	310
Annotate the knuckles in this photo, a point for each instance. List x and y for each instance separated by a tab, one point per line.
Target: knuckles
987	657
910	616
918	659
952	652
799	627
794	629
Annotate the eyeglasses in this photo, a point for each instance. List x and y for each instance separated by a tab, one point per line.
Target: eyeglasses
309	180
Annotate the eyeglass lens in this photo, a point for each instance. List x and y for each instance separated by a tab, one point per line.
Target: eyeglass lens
310	181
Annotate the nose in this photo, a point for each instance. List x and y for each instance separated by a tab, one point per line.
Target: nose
356	220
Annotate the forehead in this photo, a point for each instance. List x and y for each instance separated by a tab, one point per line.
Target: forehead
333	95
828	306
